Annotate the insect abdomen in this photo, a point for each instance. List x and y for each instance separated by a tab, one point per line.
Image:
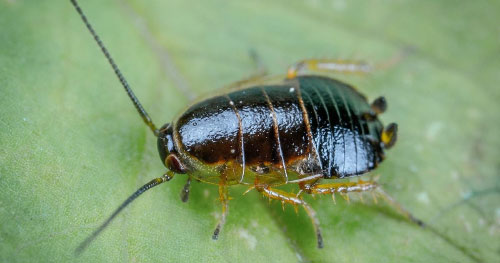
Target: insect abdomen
345	130
316	119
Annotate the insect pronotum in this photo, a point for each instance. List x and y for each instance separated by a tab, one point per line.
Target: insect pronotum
270	131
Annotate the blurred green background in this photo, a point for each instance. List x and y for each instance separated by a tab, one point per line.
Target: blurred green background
72	147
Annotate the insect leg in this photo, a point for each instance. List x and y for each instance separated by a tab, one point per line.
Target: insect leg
260	68
399	207
224	198
260	72
292	199
341	188
328	65
244	82
185	190
361	186
344	66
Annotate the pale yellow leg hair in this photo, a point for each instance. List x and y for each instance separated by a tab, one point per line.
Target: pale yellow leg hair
328	65
292	199
341	188
342	65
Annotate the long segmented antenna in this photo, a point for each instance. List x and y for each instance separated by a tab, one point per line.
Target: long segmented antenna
144	188
118	73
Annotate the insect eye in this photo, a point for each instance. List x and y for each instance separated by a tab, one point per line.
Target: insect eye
174	164
165	142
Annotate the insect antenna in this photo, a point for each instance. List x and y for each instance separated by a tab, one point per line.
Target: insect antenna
118	73
165	178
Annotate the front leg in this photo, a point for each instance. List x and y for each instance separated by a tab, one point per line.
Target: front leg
185	190
224	199
360	186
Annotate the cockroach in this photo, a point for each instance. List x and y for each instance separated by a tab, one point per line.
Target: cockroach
266	132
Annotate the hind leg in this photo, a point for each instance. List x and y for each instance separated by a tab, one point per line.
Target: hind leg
327	65
343	65
361	186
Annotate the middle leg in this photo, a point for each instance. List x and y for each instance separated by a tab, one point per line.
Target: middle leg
292	199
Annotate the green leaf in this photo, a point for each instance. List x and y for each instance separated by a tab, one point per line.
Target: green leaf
73	147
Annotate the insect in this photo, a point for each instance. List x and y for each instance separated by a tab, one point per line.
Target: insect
266	132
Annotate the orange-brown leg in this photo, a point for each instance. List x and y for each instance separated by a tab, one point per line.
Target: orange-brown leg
289	198
224	199
360	186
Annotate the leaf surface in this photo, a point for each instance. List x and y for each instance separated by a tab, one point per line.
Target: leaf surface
73	148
